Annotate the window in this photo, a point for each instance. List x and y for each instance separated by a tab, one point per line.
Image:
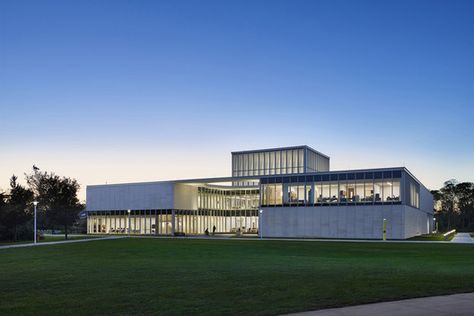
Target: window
267	162
278	194
301	160
325	192
351	191
277	162
369	191
272	162
387	190
309	194
343	192
396	190
359	191
289	162
378	191
295	161
334	192
286	193
414	195
301	194
250	165
317	192
246	165
293	194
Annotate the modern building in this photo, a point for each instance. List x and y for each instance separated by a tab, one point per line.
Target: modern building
277	192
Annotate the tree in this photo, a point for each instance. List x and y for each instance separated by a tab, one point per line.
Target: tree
448	200
3	210
19	204
57	197
15	209
465	204
455	205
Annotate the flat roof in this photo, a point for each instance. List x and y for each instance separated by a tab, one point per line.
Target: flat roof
279	148
247	178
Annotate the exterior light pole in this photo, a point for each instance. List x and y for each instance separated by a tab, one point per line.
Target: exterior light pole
435	225
129	223
384	230
260	229
34	228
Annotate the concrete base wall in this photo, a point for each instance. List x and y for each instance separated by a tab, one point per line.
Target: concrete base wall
360	222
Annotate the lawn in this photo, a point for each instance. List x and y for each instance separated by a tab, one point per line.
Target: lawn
223	277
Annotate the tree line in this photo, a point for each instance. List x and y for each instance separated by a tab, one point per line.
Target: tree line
58	205
454	206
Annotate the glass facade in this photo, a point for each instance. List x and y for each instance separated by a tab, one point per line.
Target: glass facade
222	199
278	161
268	163
162	222
352	188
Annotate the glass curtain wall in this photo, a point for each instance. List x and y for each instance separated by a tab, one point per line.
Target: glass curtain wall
268	162
160	222
335	189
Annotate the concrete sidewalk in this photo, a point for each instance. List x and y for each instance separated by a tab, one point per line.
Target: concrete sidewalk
463	238
452	305
47	243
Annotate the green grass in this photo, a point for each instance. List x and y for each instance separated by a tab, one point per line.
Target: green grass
224	277
432	237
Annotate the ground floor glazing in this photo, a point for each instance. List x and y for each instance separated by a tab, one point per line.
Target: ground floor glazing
172	222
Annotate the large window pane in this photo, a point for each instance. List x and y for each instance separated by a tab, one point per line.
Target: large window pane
326	194
369	191
387	190
301	160
289	161
301	194
378	191
283	162
272	162
267	162
396	190
334	192
317	192
293	194
360	193
351	191
343	192
295	161
278	194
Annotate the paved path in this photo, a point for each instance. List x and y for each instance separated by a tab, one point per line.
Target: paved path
463	238
46	243
450	305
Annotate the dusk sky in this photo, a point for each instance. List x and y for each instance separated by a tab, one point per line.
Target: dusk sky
129	91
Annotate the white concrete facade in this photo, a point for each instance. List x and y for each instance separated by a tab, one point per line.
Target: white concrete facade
349	222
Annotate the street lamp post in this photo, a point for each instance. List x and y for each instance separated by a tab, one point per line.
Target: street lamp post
260	229
34	228
129	223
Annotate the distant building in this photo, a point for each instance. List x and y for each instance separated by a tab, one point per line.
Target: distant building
278	192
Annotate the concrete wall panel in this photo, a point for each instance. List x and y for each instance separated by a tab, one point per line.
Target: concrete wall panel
363	222
139	196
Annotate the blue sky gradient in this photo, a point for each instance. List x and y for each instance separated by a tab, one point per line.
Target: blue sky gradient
120	91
